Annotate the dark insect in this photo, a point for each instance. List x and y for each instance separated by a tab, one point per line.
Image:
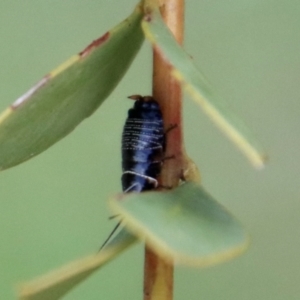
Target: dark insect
143	147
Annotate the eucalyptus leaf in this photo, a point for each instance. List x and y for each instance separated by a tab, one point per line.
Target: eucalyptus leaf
56	284
198	86
185	226
66	96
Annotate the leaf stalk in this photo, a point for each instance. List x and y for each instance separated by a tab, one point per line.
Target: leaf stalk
158	274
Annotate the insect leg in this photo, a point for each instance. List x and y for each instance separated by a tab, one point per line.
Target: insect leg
168	157
170	128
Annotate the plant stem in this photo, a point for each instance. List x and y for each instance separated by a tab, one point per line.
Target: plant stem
158	274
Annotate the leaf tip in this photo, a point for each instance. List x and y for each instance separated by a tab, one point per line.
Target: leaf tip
260	161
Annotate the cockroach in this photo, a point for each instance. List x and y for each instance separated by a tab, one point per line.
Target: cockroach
143	147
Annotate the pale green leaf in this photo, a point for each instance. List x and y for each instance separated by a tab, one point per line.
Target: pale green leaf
197	85
56	284
185	225
63	98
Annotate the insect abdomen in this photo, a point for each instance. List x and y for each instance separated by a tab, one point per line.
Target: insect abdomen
142	145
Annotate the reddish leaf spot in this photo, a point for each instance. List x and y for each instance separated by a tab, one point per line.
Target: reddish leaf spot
21	100
94	44
148	17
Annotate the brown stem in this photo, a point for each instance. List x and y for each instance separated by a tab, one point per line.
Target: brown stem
158	274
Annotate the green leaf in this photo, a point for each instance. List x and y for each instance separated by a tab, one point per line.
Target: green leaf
59	282
185	225
65	97
197	85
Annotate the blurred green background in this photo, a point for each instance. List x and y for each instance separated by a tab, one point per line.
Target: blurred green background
53	208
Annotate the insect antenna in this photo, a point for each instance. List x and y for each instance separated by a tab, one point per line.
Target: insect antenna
111	234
